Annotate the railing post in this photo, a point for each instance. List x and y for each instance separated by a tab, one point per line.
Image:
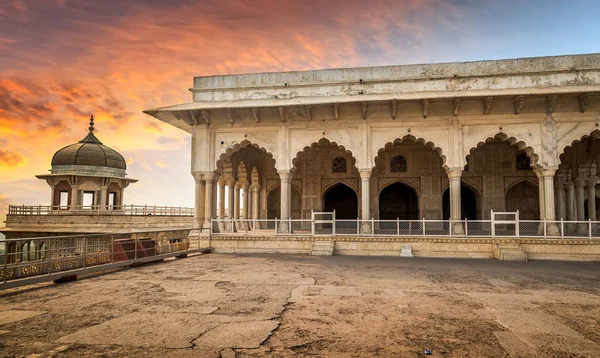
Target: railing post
492	223
357	227
84	251
423	226
562	228
449	227
545	228
290	224
397	226
372	226
135	247
274	225
590	228
466	229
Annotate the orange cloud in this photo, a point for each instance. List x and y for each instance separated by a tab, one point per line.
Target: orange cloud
10	160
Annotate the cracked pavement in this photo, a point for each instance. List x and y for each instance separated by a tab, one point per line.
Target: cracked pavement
284	305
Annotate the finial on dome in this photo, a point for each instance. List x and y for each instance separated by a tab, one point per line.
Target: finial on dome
91	138
91	124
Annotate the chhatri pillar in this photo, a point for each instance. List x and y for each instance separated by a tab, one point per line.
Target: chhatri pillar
454	175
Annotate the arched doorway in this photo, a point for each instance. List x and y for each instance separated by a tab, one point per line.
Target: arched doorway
343	200
468	203
524	197
274	203
398	201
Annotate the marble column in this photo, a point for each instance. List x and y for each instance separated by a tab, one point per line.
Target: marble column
103	197
52	193
236	201
561	201
74	197
198	201
548	178
286	194
230	189
245	200
365	198
255	190
571	207
541	194
591	198
208	199
221	199
580	199
454	175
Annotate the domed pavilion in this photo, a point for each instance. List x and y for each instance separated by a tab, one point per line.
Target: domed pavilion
87	175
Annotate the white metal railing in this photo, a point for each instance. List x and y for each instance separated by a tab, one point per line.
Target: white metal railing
46	258
503	228
140	210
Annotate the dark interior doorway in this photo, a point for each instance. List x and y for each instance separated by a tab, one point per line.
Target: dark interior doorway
398	201
343	200
468	203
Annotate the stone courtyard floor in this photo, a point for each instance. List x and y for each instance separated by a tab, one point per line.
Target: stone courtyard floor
282	305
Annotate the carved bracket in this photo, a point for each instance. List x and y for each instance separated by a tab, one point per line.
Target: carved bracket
551	103
487	104
519	101
256	114
282	113
308	112
206	116
394	107
336	110
584	100
230	115
425	103
364	110
456	103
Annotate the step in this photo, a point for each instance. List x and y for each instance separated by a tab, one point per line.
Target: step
514	257
322	248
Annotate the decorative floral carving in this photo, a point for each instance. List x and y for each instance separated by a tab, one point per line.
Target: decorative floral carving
339	165
398	164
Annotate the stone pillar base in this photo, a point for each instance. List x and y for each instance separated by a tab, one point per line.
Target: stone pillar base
283	227
365	228
458	228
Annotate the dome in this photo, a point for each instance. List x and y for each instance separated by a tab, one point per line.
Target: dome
89	155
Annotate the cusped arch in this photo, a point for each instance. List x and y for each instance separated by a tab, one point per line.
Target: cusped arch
322	142
512	140
235	148
595	134
412	139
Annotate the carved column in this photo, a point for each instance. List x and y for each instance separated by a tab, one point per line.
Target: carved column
365	200
255	190
230	189
571	207
74	197
103	197
580	198
236	201
548	178
591	198
208	199
541	194
221	199
454	175
561	201
245	200
198	201
52	193
286	193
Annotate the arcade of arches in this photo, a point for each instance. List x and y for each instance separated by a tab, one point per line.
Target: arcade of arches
408	181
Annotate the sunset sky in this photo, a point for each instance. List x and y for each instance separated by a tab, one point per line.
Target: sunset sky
61	60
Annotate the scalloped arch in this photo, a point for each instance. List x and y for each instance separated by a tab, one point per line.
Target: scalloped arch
512	140
594	134
235	148
429	144
320	142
